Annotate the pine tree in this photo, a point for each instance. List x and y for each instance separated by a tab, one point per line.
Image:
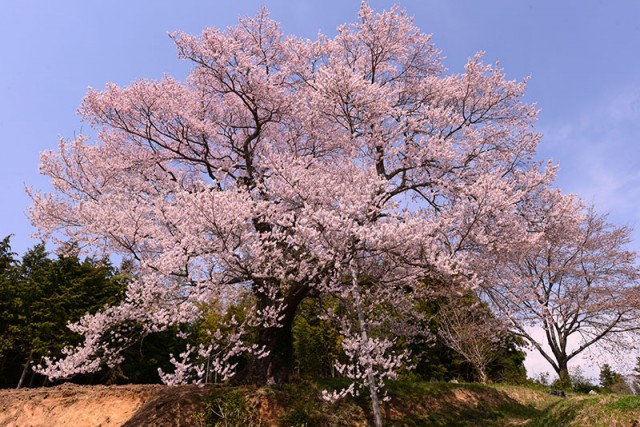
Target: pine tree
608	376
7	302
613	381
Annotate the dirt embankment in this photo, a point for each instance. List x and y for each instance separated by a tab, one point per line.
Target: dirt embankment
412	404
91	406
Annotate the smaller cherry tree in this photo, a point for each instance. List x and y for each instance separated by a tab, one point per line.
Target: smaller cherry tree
577	281
371	359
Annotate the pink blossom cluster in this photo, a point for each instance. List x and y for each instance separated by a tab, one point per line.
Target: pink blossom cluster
368	359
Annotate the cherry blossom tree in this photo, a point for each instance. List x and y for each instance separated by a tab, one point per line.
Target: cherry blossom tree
351	166
578	282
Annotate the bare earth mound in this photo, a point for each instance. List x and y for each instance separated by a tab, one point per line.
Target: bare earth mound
71	405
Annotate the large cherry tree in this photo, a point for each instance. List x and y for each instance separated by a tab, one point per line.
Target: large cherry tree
283	168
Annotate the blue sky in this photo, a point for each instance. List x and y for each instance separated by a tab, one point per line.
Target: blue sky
583	58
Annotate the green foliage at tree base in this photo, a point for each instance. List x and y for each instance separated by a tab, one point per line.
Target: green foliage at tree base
411	404
230	409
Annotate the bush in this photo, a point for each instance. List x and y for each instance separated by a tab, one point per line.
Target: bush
580	383
229	410
302	414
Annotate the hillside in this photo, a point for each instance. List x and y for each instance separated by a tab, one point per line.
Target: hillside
412	404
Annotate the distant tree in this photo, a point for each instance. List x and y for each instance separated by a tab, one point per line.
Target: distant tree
608	376
469	328
435	360
579	381
577	278
613	381
543	378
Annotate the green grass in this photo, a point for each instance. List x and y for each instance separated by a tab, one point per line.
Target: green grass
594	411
442	404
625	403
431	404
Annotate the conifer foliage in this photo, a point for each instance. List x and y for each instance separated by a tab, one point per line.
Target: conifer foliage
39	295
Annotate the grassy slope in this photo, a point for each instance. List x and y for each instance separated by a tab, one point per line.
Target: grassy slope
427	404
593	411
411	404
431	404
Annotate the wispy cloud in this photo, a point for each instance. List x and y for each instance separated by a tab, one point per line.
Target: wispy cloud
599	154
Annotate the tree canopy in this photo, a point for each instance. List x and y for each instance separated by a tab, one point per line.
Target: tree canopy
352	167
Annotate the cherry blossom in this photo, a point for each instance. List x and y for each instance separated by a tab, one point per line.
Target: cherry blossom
284	168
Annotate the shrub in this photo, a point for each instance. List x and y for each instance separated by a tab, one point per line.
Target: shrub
230	410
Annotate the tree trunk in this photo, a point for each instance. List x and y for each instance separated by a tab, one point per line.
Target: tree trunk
373	387
482	375
277	367
563	372
25	370
32	376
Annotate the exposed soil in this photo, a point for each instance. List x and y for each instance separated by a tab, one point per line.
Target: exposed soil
71	405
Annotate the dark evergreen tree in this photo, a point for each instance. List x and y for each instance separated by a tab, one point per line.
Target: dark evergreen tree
613	382
8	305
608	376
40	296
